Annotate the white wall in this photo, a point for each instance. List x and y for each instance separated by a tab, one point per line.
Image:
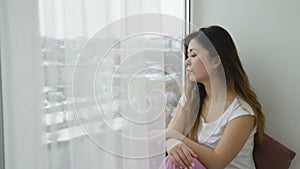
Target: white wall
267	36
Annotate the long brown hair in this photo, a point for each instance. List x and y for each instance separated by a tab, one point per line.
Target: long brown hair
222	45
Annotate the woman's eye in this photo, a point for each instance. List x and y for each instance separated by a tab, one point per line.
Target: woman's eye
193	56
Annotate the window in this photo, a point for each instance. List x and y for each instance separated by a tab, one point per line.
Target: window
65	27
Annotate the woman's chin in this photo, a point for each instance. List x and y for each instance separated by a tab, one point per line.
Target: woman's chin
192	77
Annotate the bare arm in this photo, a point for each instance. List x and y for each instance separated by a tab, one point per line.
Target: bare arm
235	135
177	122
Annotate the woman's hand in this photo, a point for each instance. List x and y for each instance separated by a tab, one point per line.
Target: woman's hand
180	154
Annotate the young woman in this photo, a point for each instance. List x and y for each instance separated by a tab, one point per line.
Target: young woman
228	120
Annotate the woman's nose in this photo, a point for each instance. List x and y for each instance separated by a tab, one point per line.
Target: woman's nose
187	61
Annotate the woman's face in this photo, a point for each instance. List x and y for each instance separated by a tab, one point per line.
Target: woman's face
198	62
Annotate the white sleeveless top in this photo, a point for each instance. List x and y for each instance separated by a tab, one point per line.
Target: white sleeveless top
210	133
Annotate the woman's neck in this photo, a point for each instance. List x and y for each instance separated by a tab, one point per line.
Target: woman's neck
218	98
217	91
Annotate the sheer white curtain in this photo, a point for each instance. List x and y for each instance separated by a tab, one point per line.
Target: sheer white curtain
82	87
21	79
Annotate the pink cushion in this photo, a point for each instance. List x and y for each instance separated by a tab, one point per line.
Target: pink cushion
272	155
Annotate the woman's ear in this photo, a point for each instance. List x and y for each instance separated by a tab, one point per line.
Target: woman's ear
216	61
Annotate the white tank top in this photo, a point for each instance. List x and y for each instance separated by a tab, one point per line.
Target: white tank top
210	133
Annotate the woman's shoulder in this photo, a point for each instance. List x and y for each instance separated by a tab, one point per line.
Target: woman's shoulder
240	108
